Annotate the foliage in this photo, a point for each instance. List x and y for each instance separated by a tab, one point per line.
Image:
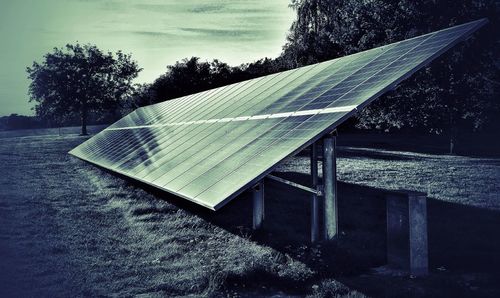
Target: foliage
192	75
79	80
329	29
458	91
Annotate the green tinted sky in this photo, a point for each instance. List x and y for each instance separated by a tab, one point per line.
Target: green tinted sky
157	33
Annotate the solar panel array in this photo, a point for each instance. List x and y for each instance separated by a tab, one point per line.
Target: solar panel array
209	146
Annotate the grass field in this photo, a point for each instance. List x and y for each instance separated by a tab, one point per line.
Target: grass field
70	229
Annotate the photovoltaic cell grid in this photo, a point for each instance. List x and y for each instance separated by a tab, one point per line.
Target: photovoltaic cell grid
210	146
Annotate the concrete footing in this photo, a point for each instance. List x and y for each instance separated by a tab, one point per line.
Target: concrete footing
407	231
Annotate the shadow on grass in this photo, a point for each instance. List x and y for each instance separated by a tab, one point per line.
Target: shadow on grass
462	239
377	155
467	143
362	153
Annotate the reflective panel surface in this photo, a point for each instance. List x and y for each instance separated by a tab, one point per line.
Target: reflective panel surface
209	146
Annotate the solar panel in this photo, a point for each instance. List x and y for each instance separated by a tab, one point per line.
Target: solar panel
210	146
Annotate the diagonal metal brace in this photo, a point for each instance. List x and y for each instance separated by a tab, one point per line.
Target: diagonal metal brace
317	192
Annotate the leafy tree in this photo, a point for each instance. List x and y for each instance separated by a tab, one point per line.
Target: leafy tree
78	80
457	92
186	77
327	29
192	75
142	95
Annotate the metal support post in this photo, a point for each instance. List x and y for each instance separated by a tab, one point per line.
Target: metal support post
315	199
258	205
330	187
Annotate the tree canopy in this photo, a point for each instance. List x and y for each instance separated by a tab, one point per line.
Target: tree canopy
192	75
459	91
78	80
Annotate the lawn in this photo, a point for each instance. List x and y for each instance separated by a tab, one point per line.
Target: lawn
70	229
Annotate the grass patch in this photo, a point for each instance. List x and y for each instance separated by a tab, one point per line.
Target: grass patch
70	229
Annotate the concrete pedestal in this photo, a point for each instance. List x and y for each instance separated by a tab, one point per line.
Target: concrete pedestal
407	231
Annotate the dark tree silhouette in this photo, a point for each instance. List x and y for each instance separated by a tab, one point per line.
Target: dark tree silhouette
78	80
459	92
192	75
15	121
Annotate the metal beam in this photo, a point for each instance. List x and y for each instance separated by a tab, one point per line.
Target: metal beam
330	187
315	199
258	205
299	186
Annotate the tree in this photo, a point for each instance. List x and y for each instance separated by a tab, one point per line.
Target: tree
327	29
458	92
79	80
191	75
185	77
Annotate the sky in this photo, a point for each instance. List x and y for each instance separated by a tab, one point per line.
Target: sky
156	33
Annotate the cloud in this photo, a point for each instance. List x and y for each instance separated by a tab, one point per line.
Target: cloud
249	10
153	33
224	33
155	7
112	5
227	9
207	8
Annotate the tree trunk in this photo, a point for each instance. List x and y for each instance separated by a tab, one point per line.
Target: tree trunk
84	120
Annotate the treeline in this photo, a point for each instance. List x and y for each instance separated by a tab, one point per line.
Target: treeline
16	121
192	75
